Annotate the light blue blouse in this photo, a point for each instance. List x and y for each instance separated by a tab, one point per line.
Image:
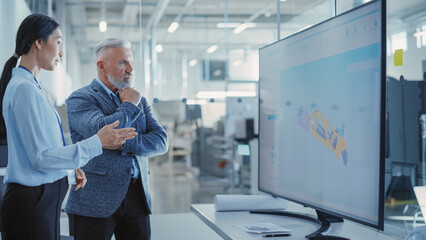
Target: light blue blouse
36	154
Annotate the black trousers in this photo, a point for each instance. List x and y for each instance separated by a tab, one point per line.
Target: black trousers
33	212
129	222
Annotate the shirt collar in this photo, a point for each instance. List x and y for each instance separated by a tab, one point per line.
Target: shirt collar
105	87
25	73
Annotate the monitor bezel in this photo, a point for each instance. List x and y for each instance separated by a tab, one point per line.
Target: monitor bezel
380	223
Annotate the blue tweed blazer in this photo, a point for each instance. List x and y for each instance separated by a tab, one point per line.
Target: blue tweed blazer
108	175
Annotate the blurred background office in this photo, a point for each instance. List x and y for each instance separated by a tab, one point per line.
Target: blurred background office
196	61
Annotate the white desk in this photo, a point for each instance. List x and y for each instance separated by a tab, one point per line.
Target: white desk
221	223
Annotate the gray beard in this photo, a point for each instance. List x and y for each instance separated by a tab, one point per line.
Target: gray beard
120	84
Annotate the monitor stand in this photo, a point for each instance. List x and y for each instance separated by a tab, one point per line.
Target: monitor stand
324	220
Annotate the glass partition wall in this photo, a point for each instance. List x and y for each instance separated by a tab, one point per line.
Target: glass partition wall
405	109
206	64
405	151
235	54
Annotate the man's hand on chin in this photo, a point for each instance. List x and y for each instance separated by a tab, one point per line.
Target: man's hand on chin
130	95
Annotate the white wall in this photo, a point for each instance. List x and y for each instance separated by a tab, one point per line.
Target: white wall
57	84
412	61
87	74
212	112
73	64
244	65
11	15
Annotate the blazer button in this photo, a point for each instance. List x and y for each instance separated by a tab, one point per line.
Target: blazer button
128	170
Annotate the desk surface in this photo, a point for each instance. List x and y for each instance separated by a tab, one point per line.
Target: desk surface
222	223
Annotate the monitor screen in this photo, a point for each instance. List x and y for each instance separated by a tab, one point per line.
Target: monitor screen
193	111
243	149
321	116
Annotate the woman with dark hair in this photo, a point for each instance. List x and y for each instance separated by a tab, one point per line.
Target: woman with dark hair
39	164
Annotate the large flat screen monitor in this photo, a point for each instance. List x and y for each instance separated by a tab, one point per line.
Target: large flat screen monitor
321	116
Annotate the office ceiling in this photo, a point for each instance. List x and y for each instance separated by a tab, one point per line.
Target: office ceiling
198	21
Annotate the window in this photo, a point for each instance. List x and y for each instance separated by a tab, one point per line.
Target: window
398	41
420	36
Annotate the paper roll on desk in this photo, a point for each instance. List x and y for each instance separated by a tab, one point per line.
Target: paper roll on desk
248	202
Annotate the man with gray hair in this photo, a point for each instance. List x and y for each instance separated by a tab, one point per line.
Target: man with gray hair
116	198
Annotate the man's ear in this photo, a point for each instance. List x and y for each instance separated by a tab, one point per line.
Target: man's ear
101	65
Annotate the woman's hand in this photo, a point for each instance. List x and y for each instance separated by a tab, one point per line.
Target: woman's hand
80	179
112	138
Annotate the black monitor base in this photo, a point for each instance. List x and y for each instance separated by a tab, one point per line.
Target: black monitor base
323	220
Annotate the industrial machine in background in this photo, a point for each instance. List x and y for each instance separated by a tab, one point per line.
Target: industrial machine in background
405	143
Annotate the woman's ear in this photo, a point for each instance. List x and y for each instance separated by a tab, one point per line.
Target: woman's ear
38	43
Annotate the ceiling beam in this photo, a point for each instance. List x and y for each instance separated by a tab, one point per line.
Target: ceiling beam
130	17
157	14
116	4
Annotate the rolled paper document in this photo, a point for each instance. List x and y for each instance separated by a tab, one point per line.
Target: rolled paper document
248	203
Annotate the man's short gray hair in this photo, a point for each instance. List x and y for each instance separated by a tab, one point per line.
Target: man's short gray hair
110	42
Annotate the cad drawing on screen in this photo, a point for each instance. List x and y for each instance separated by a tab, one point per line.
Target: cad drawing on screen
322	118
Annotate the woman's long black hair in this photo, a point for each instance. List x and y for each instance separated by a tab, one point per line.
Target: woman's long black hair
34	27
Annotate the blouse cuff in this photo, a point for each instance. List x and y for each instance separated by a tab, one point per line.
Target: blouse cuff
95	145
71	177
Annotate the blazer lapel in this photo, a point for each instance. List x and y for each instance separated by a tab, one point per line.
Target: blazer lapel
100	91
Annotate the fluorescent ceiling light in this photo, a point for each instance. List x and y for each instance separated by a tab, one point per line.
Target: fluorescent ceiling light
241	94
223	94
211	94
420	34
193	62
159	48
229	25
236	63
267	14
240	28
212	49
173	26
243	27
196	101
103	26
